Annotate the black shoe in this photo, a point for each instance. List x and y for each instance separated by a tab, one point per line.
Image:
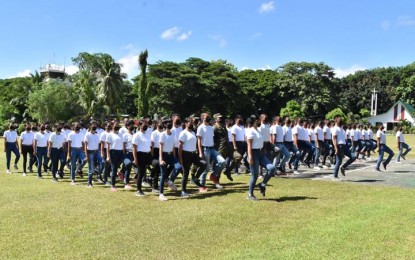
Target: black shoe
262	189
343	171
54	180
378	170
140	193
228	175
80	173
384	166
60	173
196	182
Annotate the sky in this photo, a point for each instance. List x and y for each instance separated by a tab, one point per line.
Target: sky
251	34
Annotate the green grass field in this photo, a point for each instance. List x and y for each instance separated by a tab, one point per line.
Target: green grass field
299	219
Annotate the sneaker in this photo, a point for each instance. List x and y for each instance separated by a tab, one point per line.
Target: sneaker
80	173
378	170
343	171
128	187
145	184
121	175
171	185
398	162
30	170
163	198
15	167
100	180
54	180
24	174
213	179
89	186
325	167
403	157
228	175
384	165
73	182
107	183
316	168
218	186
8	172
40	177
113	189
185	194
262	189
140	194
260	177
203	189
196	182
60	173
251	197
335	179
155	191
296	172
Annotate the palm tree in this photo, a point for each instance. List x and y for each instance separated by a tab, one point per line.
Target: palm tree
143	87
85	82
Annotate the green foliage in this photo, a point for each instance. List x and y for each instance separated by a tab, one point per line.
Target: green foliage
364	112
337	112
54	102
292	110
143	86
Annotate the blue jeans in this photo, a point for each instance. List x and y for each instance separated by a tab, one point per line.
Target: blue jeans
344	150
56	156
291	148
283	157
260	159
128	165
76	153
173	164
117	158
41	154
12	147
384	149
318	152
212	156
402	146
94	157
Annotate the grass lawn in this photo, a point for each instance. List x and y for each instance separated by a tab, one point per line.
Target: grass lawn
299	219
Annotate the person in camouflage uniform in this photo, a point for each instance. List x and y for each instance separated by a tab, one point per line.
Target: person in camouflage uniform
222	144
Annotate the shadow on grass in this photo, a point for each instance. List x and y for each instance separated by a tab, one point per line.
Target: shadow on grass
291	198
367	181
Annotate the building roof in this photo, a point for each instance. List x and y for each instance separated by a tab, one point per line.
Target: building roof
408	107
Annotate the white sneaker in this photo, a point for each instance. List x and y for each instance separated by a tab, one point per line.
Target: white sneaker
145	184
73	183
325	167
335	179
163	198
316	168
171	185
8	172
218	186
398	162
296	172
24	174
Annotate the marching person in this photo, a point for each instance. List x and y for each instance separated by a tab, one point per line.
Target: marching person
76	152
129	158
401	145
291	144
223	146
155	151
11	146
40	148
115	153
26	147
341	149
257	158
103	147
56	152
382	148
93	154
188	155
239	144
319	143
277	136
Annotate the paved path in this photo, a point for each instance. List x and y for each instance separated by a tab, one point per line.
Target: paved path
363	172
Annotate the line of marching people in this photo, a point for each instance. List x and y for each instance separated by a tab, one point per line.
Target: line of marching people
153	153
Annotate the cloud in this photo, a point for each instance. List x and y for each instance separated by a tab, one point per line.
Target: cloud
266	67
72	69
385	25
25	73
266	7
341	73
220	39
255	36
405	21
129	64
175	33
127	47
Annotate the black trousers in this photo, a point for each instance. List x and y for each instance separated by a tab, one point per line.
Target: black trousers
28	149
144	160
189	159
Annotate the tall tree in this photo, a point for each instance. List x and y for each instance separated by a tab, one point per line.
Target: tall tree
143	86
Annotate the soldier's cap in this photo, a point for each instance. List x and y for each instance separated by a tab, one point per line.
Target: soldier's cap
165	119
216	116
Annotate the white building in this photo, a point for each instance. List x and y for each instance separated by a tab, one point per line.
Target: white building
399	111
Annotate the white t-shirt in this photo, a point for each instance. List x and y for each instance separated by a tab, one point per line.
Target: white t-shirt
381	135
358	132
296	130
239	132
57	140
311	134
370	133
115	141
123	130
303	134
10	136
400	135
229	133
256	137
142	141
365	135
128	140
167	141
340	134
327	133
319	132
265	132
189	140
279	134
206	133
76	139
27	138
354	134
288	134
175	131
93	141
42	140
155	138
